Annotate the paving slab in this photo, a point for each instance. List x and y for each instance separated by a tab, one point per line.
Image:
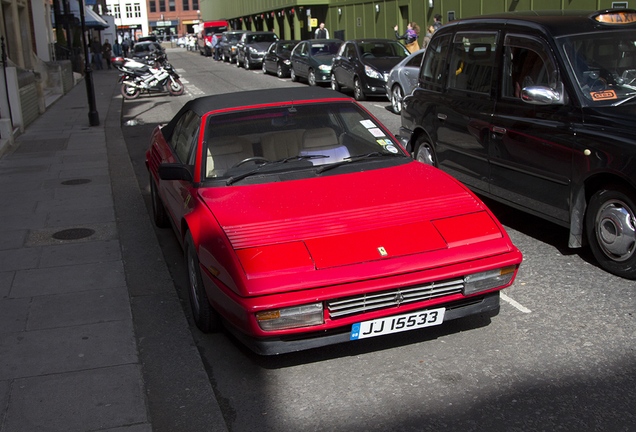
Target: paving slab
80	253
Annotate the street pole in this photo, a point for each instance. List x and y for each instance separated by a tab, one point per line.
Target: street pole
93	115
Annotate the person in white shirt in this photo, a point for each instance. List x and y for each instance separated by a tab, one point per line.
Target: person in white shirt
322	32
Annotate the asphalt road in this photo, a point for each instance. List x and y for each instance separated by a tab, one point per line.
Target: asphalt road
559	356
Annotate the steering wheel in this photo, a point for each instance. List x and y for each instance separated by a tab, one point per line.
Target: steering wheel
250	159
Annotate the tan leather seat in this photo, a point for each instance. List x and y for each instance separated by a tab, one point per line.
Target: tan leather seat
224	152
283	144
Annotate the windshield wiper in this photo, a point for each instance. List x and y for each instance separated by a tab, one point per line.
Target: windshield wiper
355	158
236	178
624	100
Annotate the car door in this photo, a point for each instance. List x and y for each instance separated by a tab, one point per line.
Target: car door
346	70
182	144
270	60
302	66
531	144
465	112
410	72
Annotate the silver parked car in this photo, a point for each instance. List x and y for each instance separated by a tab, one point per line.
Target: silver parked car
403	79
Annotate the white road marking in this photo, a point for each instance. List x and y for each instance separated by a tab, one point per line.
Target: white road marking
514	303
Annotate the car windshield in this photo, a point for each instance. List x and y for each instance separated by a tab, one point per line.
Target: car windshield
604	65
382	49
209	31
285	47
233	37
330	48
292	138
265	37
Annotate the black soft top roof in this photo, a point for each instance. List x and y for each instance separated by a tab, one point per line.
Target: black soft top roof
206	104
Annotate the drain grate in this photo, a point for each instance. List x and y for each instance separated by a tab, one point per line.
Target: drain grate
76	182
73	234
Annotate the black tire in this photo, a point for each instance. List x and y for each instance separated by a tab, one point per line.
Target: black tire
311	77
129	92
334	83
397	94
264	68
159	213
205	317
175	88
610	226
238	62
358	94
246	63
293	75
423	151
279	72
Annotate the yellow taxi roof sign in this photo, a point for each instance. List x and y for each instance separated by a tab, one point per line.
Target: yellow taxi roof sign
615	16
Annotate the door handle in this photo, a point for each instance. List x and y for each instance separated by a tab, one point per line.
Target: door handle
499	130
442	116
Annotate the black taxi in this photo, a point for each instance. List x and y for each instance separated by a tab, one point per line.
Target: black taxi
538	110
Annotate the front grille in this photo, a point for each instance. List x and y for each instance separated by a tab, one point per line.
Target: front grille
347	306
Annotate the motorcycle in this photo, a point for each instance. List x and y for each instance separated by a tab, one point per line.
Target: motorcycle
156	75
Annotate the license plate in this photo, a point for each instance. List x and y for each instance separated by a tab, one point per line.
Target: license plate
397	323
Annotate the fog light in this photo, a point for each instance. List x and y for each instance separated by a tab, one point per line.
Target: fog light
291	317
488	280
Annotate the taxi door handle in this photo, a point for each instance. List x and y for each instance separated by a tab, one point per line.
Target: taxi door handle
442	116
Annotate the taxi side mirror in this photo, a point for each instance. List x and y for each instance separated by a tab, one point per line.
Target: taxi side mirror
539	95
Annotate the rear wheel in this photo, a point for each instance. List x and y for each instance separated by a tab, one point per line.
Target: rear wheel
423	152
396	98
358	94
205	317
129	92
311	77
610	225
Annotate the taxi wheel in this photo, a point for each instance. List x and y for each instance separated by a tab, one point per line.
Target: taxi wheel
334	84
358	94
610	225
159	214
205	317
312	78
423	152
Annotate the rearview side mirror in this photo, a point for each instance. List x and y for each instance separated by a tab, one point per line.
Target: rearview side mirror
540	95
174	171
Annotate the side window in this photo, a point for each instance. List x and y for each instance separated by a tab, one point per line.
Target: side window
304	50
183	137
434	64
472	62
527	64
415	61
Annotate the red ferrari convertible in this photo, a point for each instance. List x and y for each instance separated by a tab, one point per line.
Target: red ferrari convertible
304	223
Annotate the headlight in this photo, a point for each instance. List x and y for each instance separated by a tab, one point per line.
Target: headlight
386	77
488	280
251	50
291	317
325	68
372	72
287	62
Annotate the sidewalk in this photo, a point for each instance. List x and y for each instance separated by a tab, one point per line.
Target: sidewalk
92	334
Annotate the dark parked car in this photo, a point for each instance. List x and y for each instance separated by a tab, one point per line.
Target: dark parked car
276	59
311	60
363	65
403	79
252	47
142	50
537	110
228	43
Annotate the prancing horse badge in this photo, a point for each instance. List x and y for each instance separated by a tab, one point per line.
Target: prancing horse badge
382	251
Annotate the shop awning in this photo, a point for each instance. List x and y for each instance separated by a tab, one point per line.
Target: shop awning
91	18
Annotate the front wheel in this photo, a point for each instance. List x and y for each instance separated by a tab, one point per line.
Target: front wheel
358	94
246	63
610	225
279	72
292	75
396	99
311	77
175	87
264	68
334	84
129	92
423	152
205	317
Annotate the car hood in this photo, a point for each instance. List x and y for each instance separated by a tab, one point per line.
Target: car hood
384	64
259	46
343	220
324	59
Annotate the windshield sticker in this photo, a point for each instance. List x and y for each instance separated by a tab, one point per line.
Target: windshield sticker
392	149
384	142
376	132
367	124
603	95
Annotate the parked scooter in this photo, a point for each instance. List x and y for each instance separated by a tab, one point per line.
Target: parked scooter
155	76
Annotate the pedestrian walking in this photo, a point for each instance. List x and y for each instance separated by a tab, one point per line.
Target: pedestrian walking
107	51
215	46
429	35
321	32
410	37
437	21
117	48
125	46
96	49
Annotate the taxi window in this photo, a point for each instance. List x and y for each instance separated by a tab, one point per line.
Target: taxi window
432	72
527	64
472	62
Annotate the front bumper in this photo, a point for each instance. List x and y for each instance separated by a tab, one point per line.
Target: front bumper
487	304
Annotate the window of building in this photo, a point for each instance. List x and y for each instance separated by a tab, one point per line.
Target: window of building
137	10
195	4
162	5
153	6
172	5
129	12
116	12
186	5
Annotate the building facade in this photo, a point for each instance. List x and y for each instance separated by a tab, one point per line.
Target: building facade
172	18
131	18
